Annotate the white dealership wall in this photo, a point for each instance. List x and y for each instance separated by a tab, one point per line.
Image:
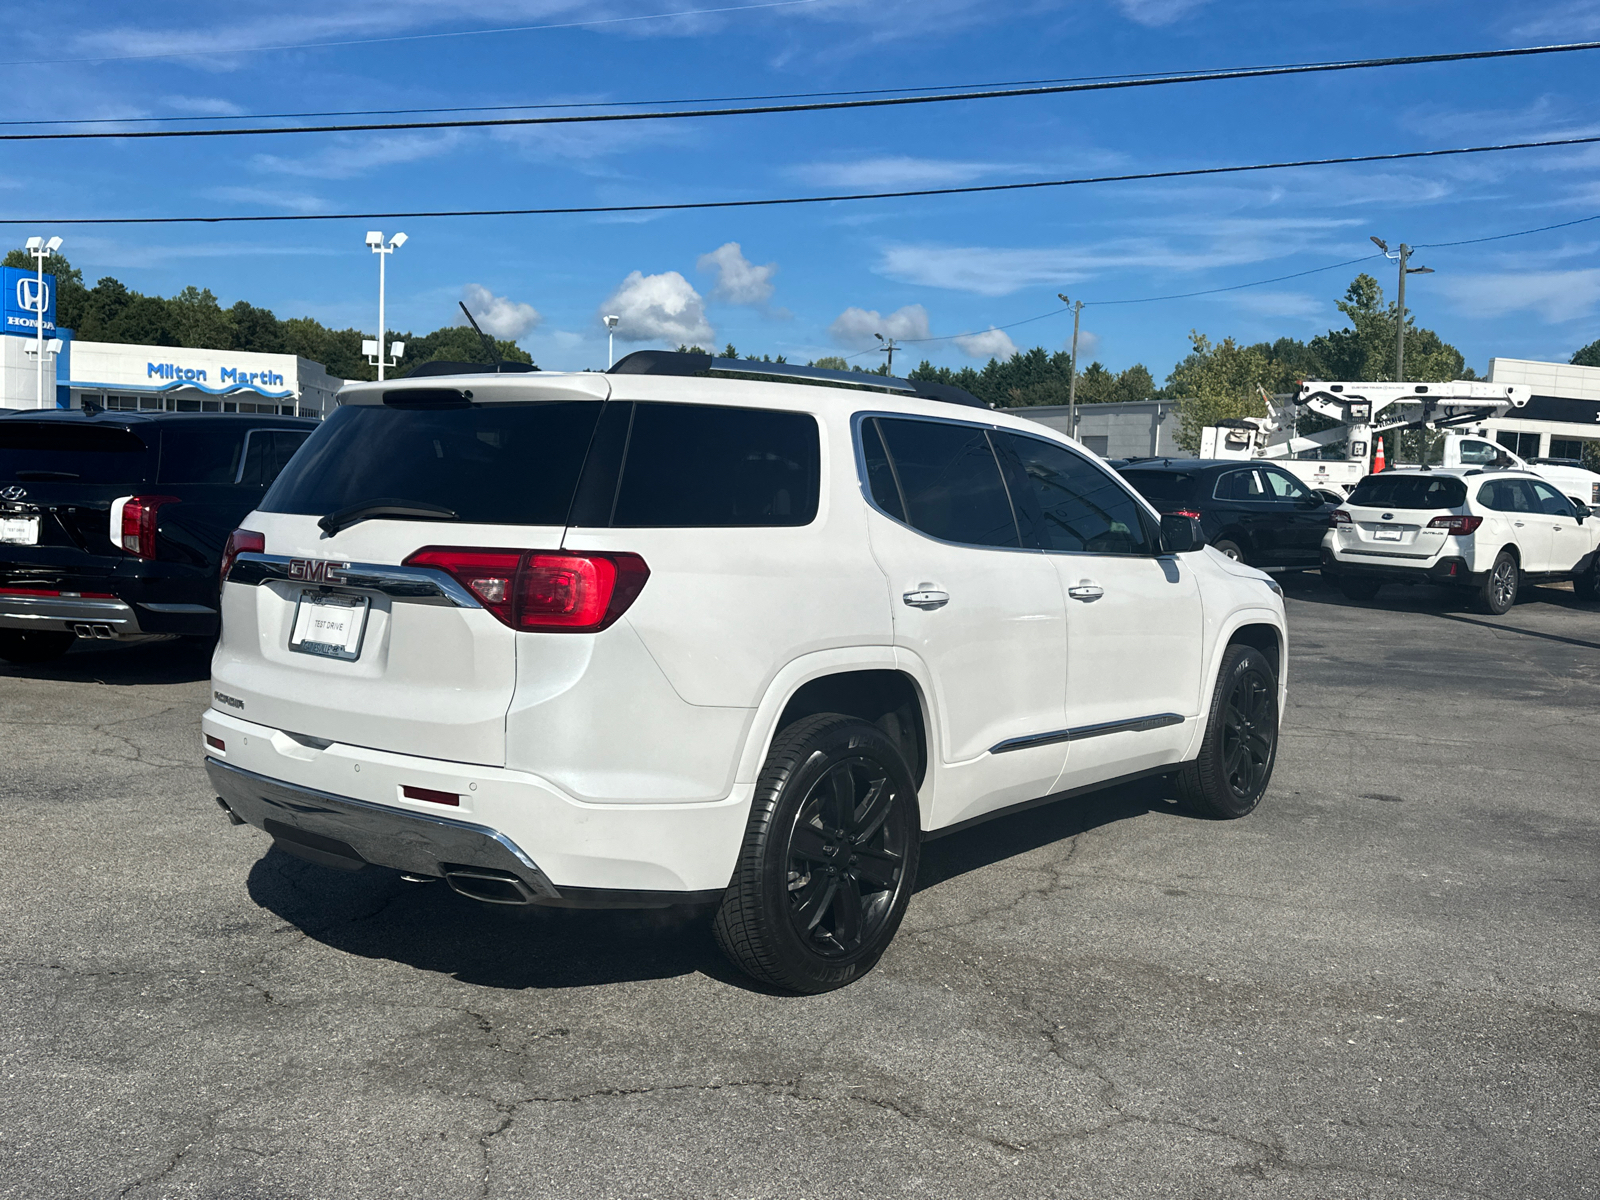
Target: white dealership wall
1563	405
166	378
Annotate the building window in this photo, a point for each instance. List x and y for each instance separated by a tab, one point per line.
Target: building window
1524	445
1566	448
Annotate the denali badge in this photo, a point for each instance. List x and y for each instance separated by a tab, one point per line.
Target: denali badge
316	570
230	701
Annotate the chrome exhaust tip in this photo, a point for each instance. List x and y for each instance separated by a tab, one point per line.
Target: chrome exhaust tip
488	885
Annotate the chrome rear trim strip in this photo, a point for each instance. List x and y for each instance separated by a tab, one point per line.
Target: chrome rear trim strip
1081	732
414	585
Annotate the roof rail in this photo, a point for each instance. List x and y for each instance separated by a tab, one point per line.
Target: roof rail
673	362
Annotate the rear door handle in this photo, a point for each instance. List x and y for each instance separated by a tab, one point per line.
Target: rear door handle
1086	591
927	598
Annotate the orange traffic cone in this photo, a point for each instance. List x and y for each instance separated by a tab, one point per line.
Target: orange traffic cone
1377	461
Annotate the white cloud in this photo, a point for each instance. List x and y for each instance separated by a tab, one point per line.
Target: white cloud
349	159
739	281
499	316
898	171
1568	22
1555	295
1156	12
855	326
1279	304
657	308
271	197
1088	345
991	343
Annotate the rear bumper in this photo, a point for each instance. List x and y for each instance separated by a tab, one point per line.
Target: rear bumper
343	806
109	618
1449	571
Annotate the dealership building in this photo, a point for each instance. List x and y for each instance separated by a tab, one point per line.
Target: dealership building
114	375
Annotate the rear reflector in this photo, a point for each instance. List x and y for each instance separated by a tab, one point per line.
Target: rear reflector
543	591
1456	524
216	743
431	795
30	591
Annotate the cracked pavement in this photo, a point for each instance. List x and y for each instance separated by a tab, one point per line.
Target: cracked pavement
1382	984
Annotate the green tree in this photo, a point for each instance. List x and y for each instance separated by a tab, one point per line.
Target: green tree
830	362
1365	350
455	343
1589	356
1215	382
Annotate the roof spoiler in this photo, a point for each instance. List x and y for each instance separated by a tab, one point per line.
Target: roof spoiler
675	362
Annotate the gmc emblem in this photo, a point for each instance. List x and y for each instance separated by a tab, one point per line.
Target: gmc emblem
316	570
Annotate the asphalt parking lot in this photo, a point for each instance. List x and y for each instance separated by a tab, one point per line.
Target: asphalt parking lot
1382	984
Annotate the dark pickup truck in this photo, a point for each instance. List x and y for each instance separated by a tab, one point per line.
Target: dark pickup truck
112	525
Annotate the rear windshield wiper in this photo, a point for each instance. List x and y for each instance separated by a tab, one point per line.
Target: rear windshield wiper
47	475
409	510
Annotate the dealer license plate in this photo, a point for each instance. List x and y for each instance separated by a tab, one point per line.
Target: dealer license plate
20	531
1386	535
329	625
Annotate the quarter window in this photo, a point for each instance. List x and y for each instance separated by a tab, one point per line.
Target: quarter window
1065	502
949	483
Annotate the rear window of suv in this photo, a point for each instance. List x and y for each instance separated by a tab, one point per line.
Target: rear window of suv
494	464
1163	489
1409	491
68	452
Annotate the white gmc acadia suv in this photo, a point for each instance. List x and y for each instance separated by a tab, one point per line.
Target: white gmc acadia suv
657	637
1483	530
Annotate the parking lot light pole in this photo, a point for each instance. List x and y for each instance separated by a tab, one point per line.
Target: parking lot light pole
611	340
41	250
382	250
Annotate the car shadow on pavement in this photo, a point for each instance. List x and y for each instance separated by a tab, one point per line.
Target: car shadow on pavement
167	660
1006	837
373	913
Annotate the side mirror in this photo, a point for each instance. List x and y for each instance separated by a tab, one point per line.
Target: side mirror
1580	510
1181	534
1311	500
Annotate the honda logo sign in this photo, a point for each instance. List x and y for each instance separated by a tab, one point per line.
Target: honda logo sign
24	300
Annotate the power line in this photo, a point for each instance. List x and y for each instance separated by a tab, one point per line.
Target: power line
1056	312
403	37
820	106
970	189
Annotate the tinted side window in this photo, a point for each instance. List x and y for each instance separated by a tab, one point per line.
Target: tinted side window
951	482
1078	506
195	454
1551	502
702	465
1236	485
1506	495
880	475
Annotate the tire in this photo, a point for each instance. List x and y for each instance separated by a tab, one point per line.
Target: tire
1231	549
1587	585
1356	588
1498	591
1240	745
30	646
809	910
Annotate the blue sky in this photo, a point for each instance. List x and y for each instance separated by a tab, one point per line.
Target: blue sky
817	280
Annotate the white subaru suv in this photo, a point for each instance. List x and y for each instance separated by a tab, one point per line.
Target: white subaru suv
1483	530
662	636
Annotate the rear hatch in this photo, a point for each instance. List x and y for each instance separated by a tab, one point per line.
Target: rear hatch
58	478
403	669
1394	515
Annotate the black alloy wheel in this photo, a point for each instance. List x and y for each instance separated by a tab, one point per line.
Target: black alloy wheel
829	858
1240	745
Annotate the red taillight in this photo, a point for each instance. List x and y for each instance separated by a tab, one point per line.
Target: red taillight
1455	524
138	533
240	541
216	743
1338	517
1184	512
431	795
542	590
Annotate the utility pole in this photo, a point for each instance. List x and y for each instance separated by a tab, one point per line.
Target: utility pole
1403	257
888	348
1072	381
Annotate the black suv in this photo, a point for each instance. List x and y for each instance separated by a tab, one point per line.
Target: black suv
112	525
1253	511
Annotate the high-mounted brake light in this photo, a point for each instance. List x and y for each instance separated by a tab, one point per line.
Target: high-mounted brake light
1338	517
1457	525
541	590
241	541
138	532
